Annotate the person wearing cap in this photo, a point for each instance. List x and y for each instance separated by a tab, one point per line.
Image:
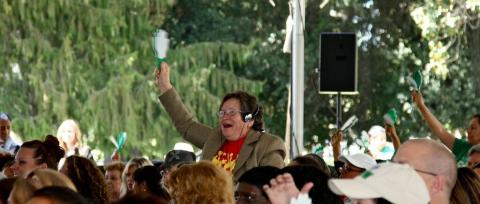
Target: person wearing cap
459	147
350	166
175	157
239	143
6	142
395	183
434	163
355	164
379	147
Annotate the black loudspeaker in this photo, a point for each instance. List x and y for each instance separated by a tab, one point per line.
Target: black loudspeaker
338	63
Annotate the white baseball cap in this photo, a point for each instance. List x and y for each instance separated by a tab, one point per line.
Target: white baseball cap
359	160
183	146
376	130
397	183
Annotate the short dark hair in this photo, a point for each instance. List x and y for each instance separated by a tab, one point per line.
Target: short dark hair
6	160
320	193
313	160
248	104
61	195
152	178
477	116
259	176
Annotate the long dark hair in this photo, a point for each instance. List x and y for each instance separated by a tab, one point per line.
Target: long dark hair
88	179
47	151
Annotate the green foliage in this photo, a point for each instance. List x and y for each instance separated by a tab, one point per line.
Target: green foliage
92	61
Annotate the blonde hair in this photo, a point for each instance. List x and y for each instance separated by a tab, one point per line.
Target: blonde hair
21	191
76	128
200	183
41	178
115	166
134	162
38	179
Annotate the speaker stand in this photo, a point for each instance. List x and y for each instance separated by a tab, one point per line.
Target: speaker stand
339	110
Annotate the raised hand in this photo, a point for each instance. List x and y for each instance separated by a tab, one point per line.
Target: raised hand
417	98
282	189
162	77
336	139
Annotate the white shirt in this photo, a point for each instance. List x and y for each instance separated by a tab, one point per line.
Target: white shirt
10	145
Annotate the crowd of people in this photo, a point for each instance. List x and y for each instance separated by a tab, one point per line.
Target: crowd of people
241	163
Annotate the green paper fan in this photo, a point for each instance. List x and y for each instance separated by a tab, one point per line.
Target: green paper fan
391	116
121	139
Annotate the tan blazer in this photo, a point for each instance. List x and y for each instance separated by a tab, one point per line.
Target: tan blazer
259	148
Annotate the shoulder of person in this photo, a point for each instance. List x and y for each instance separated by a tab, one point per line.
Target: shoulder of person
270	141
267	137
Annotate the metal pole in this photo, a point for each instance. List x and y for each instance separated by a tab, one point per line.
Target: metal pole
339	110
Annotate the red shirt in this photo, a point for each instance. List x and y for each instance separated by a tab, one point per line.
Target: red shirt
227	155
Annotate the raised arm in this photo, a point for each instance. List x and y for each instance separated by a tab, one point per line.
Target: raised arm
192	131
336	148
435	126
391	132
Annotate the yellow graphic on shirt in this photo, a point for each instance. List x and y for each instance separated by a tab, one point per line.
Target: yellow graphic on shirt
225	160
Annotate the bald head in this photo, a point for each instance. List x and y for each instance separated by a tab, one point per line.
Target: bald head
430	156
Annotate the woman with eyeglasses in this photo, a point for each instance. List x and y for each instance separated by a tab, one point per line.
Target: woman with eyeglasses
239	143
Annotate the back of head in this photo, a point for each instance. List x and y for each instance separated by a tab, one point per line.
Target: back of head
6	186
57	195
87	177
138	162
431	156
152	178
141	198
22	190
313	160
202	182
259	176
320	193
466	188
47	151
41	178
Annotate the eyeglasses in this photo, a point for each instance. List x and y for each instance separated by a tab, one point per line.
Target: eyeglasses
229	112
418	170
427	172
